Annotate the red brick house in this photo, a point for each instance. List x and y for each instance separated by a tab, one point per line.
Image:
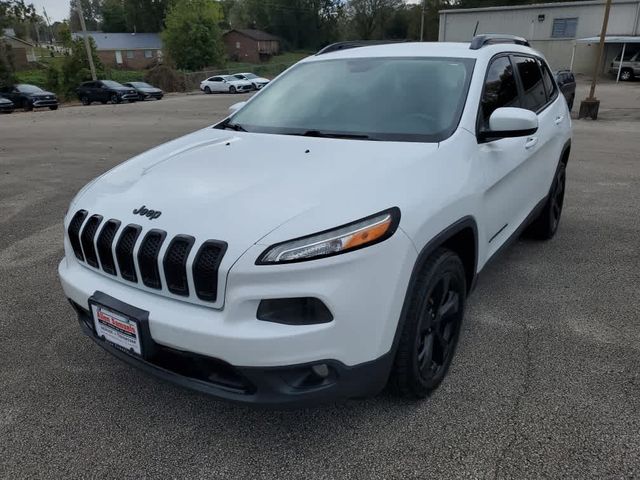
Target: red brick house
127	50
252	46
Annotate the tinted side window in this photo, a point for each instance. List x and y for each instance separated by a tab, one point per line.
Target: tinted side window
549	84
500	89
534	95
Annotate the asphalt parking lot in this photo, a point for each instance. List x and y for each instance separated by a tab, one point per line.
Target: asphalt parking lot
546	381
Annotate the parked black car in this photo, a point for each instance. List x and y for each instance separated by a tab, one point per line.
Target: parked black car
145	90
567	83
6	105
29	97
104	91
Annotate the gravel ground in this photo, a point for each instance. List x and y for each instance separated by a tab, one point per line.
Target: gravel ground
546	381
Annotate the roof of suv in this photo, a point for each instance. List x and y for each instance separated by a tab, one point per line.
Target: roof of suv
423	49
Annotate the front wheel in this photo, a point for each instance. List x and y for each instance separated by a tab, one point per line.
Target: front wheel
545	226
115	99
207	90
232	89
432	326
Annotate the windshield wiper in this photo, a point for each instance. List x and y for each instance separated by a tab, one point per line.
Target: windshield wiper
234	126
321	134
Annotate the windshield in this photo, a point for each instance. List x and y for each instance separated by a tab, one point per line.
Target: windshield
249	76
29	89
112	84
395	99
140	85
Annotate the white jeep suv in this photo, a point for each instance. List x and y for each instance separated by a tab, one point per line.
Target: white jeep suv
321	243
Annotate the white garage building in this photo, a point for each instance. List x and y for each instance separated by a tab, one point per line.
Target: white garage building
564	32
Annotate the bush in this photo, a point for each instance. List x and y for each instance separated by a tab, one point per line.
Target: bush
7	76
165	78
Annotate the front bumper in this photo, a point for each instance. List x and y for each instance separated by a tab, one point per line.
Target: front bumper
364	290
291	386
45	103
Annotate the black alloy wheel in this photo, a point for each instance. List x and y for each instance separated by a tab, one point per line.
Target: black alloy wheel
545	226
115	98
432	327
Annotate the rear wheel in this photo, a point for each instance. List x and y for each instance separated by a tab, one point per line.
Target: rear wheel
546	225
432	326
53	107
626	75
85	100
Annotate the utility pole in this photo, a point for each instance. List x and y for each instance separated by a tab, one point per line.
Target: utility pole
589	106
92	67
424	7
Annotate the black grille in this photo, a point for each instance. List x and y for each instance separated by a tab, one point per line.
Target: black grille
205	269
86	238
91	243
175	264
148	258
104	244
74	233
124	252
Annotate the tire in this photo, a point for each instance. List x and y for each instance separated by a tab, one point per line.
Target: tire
626	75
232	89
85	100
115	98
545	226
141	98
207	90
53	107
432	326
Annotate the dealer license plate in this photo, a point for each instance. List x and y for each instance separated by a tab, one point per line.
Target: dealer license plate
116	328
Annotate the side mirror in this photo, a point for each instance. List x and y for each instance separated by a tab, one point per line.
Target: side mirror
235	107
510	122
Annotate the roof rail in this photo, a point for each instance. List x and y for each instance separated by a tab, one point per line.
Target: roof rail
480	41
336	47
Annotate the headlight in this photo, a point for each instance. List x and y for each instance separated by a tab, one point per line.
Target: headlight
355	235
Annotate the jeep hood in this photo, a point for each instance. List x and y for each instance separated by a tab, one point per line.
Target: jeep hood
240	187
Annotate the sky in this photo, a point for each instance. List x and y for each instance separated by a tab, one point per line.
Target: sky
59	9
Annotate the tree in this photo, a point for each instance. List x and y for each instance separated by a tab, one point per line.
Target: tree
146	15
192	36
113	16
371	17
7	70
91	10
75	67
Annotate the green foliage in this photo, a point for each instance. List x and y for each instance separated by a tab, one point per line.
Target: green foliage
75	67
145	15
192	36
113	16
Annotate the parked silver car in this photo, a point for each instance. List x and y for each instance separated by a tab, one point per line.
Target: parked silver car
630	65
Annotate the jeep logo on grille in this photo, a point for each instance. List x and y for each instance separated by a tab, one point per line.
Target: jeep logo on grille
143	211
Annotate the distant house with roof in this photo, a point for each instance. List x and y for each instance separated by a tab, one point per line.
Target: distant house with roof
252	46
22	51
127	50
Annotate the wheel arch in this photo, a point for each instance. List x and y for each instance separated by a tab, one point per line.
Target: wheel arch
462	238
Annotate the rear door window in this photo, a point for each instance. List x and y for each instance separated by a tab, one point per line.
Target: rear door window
534	94
549	84
500	90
